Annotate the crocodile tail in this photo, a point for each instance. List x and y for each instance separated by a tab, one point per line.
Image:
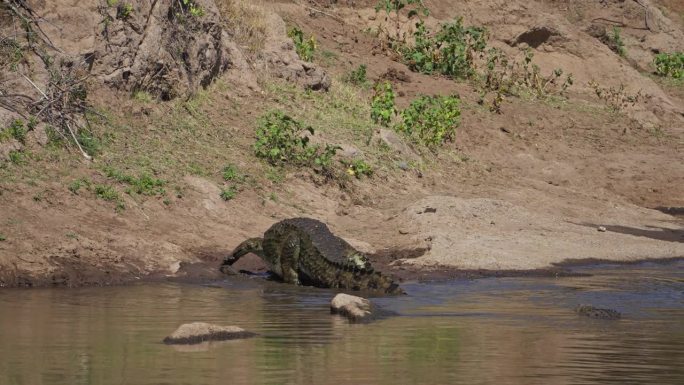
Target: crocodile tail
252	245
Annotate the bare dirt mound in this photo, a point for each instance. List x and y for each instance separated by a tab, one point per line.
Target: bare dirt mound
493	234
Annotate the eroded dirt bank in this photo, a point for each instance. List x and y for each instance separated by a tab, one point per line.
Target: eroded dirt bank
521	192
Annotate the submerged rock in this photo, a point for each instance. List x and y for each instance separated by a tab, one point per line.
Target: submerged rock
197	332
598	313
356	309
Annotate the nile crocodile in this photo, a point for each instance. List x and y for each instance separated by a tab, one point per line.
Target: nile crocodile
598	313
303	251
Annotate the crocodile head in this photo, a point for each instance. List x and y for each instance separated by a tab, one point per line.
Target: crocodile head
254	246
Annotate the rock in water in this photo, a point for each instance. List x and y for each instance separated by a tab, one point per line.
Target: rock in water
356	309
598	313
197	332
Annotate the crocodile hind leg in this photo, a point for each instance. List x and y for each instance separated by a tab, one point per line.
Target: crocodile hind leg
289	259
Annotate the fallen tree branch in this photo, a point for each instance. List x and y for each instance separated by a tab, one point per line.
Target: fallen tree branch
85	154
648	27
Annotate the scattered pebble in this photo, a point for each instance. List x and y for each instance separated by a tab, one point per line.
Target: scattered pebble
602	229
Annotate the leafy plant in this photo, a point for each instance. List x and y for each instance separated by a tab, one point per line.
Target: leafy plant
280	139
358	76
506	77
382	104
431	120
76	185
359	167
451	51
11	53
323	159
89	142
412	7
107	192
305	47
17	157
617	99
229	193
16	130
670	64
2	238
124	11
142	185
142	96
615	42
231	173
191	7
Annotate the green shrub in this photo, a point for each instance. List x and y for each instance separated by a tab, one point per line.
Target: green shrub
231	173
124	11
617	99
11	53
229	193
323	159
359	167
2	238
507	77
615	42
76	185
17	157
358	76
431	120
142	185
107	192
142	96
191	7
670	64
305	47
412	9
451	51
89	142
18	131
382	104
280	140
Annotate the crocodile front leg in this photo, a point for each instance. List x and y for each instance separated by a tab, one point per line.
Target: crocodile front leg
289	259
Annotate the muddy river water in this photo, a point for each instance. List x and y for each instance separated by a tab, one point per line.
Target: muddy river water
485	331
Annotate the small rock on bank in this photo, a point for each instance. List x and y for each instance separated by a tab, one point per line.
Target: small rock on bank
356	309
197	332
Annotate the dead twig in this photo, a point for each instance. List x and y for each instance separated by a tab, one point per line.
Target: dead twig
312	9
616	23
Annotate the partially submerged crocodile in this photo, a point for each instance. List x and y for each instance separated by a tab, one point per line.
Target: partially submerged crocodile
303	251
598	313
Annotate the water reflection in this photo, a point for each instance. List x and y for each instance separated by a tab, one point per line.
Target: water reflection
513	330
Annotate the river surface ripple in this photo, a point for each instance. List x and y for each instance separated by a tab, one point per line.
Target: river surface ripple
485	331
